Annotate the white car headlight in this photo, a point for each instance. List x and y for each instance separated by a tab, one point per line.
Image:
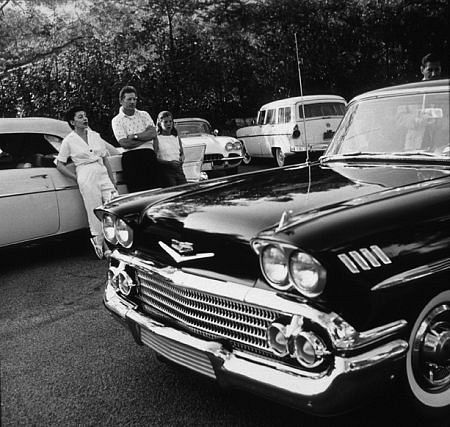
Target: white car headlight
229	146
308	275
124	233
108	228
275	266
237	145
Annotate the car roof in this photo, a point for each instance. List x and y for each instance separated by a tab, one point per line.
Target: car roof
306	98
42	125
423	86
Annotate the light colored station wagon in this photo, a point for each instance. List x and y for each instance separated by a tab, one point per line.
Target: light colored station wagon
292	125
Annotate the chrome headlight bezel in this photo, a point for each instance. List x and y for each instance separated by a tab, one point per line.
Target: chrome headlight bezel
229	146
109	229
309	280
124	233
116	231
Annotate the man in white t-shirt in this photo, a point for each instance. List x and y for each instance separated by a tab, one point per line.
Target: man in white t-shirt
135	131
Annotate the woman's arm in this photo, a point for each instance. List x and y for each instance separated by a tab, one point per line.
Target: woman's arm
110	172
66	171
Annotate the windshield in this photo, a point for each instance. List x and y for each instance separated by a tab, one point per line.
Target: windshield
189	128
404	126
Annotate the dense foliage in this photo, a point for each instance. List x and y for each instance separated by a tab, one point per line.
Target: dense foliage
218	59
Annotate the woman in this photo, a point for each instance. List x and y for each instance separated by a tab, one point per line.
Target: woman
169	151
95	180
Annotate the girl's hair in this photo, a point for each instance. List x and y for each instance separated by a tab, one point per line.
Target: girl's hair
70	114
161	116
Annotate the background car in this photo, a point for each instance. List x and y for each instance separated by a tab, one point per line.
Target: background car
292	125
36	200
317	285
223	153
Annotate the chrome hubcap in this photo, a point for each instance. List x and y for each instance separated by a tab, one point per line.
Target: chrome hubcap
430	354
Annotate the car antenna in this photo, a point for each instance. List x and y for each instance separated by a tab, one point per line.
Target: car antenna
301	94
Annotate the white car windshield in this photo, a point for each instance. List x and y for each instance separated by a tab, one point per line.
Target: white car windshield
400	126
190	128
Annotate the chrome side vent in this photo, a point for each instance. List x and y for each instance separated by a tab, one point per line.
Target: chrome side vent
364	259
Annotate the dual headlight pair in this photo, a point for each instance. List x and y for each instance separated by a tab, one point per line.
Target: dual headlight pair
286	267
231	146
116	231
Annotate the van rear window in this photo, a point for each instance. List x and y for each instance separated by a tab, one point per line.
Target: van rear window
322	109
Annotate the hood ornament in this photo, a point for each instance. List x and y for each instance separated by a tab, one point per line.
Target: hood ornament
181	249
285	218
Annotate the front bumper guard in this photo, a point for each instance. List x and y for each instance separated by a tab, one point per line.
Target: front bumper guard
348	381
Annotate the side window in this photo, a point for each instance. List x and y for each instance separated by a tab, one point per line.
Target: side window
19	151
284	115
287	114
261	117
281	115
270	117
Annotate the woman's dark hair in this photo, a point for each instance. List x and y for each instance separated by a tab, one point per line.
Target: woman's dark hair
70	114
161	116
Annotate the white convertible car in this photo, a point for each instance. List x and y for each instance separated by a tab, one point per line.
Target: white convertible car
36	200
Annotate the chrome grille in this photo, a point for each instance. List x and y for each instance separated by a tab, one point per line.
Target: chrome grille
207	315
213	157
178	353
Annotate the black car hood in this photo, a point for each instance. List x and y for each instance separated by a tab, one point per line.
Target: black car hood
248	204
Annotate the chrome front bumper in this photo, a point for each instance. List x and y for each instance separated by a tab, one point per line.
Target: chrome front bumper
337	390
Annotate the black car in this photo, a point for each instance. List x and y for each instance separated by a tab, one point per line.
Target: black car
313	284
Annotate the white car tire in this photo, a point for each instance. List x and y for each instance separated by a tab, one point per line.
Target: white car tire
428	359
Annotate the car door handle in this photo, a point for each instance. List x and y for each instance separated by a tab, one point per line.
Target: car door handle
42	175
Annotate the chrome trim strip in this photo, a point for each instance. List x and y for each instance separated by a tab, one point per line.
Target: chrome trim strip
414	274
345	259
369	256
343	336
359	260
380	254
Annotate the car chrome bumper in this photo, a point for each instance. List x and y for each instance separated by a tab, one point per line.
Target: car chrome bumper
328	393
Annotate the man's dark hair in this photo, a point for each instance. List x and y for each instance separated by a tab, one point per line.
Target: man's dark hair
125	90
430	57
70	114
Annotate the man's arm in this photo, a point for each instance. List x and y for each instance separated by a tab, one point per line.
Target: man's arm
137	139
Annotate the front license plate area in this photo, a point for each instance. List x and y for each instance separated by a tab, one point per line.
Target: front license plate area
179	353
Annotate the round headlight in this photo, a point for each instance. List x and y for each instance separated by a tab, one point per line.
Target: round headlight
307	274
124	234
229	146
237	145
275	267
108	229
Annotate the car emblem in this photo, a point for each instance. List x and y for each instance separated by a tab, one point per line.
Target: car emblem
187	247
182	248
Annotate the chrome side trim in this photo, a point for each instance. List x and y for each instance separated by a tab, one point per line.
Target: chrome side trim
364	258
343	336
414	274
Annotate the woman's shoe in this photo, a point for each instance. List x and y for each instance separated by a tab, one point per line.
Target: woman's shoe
97	247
